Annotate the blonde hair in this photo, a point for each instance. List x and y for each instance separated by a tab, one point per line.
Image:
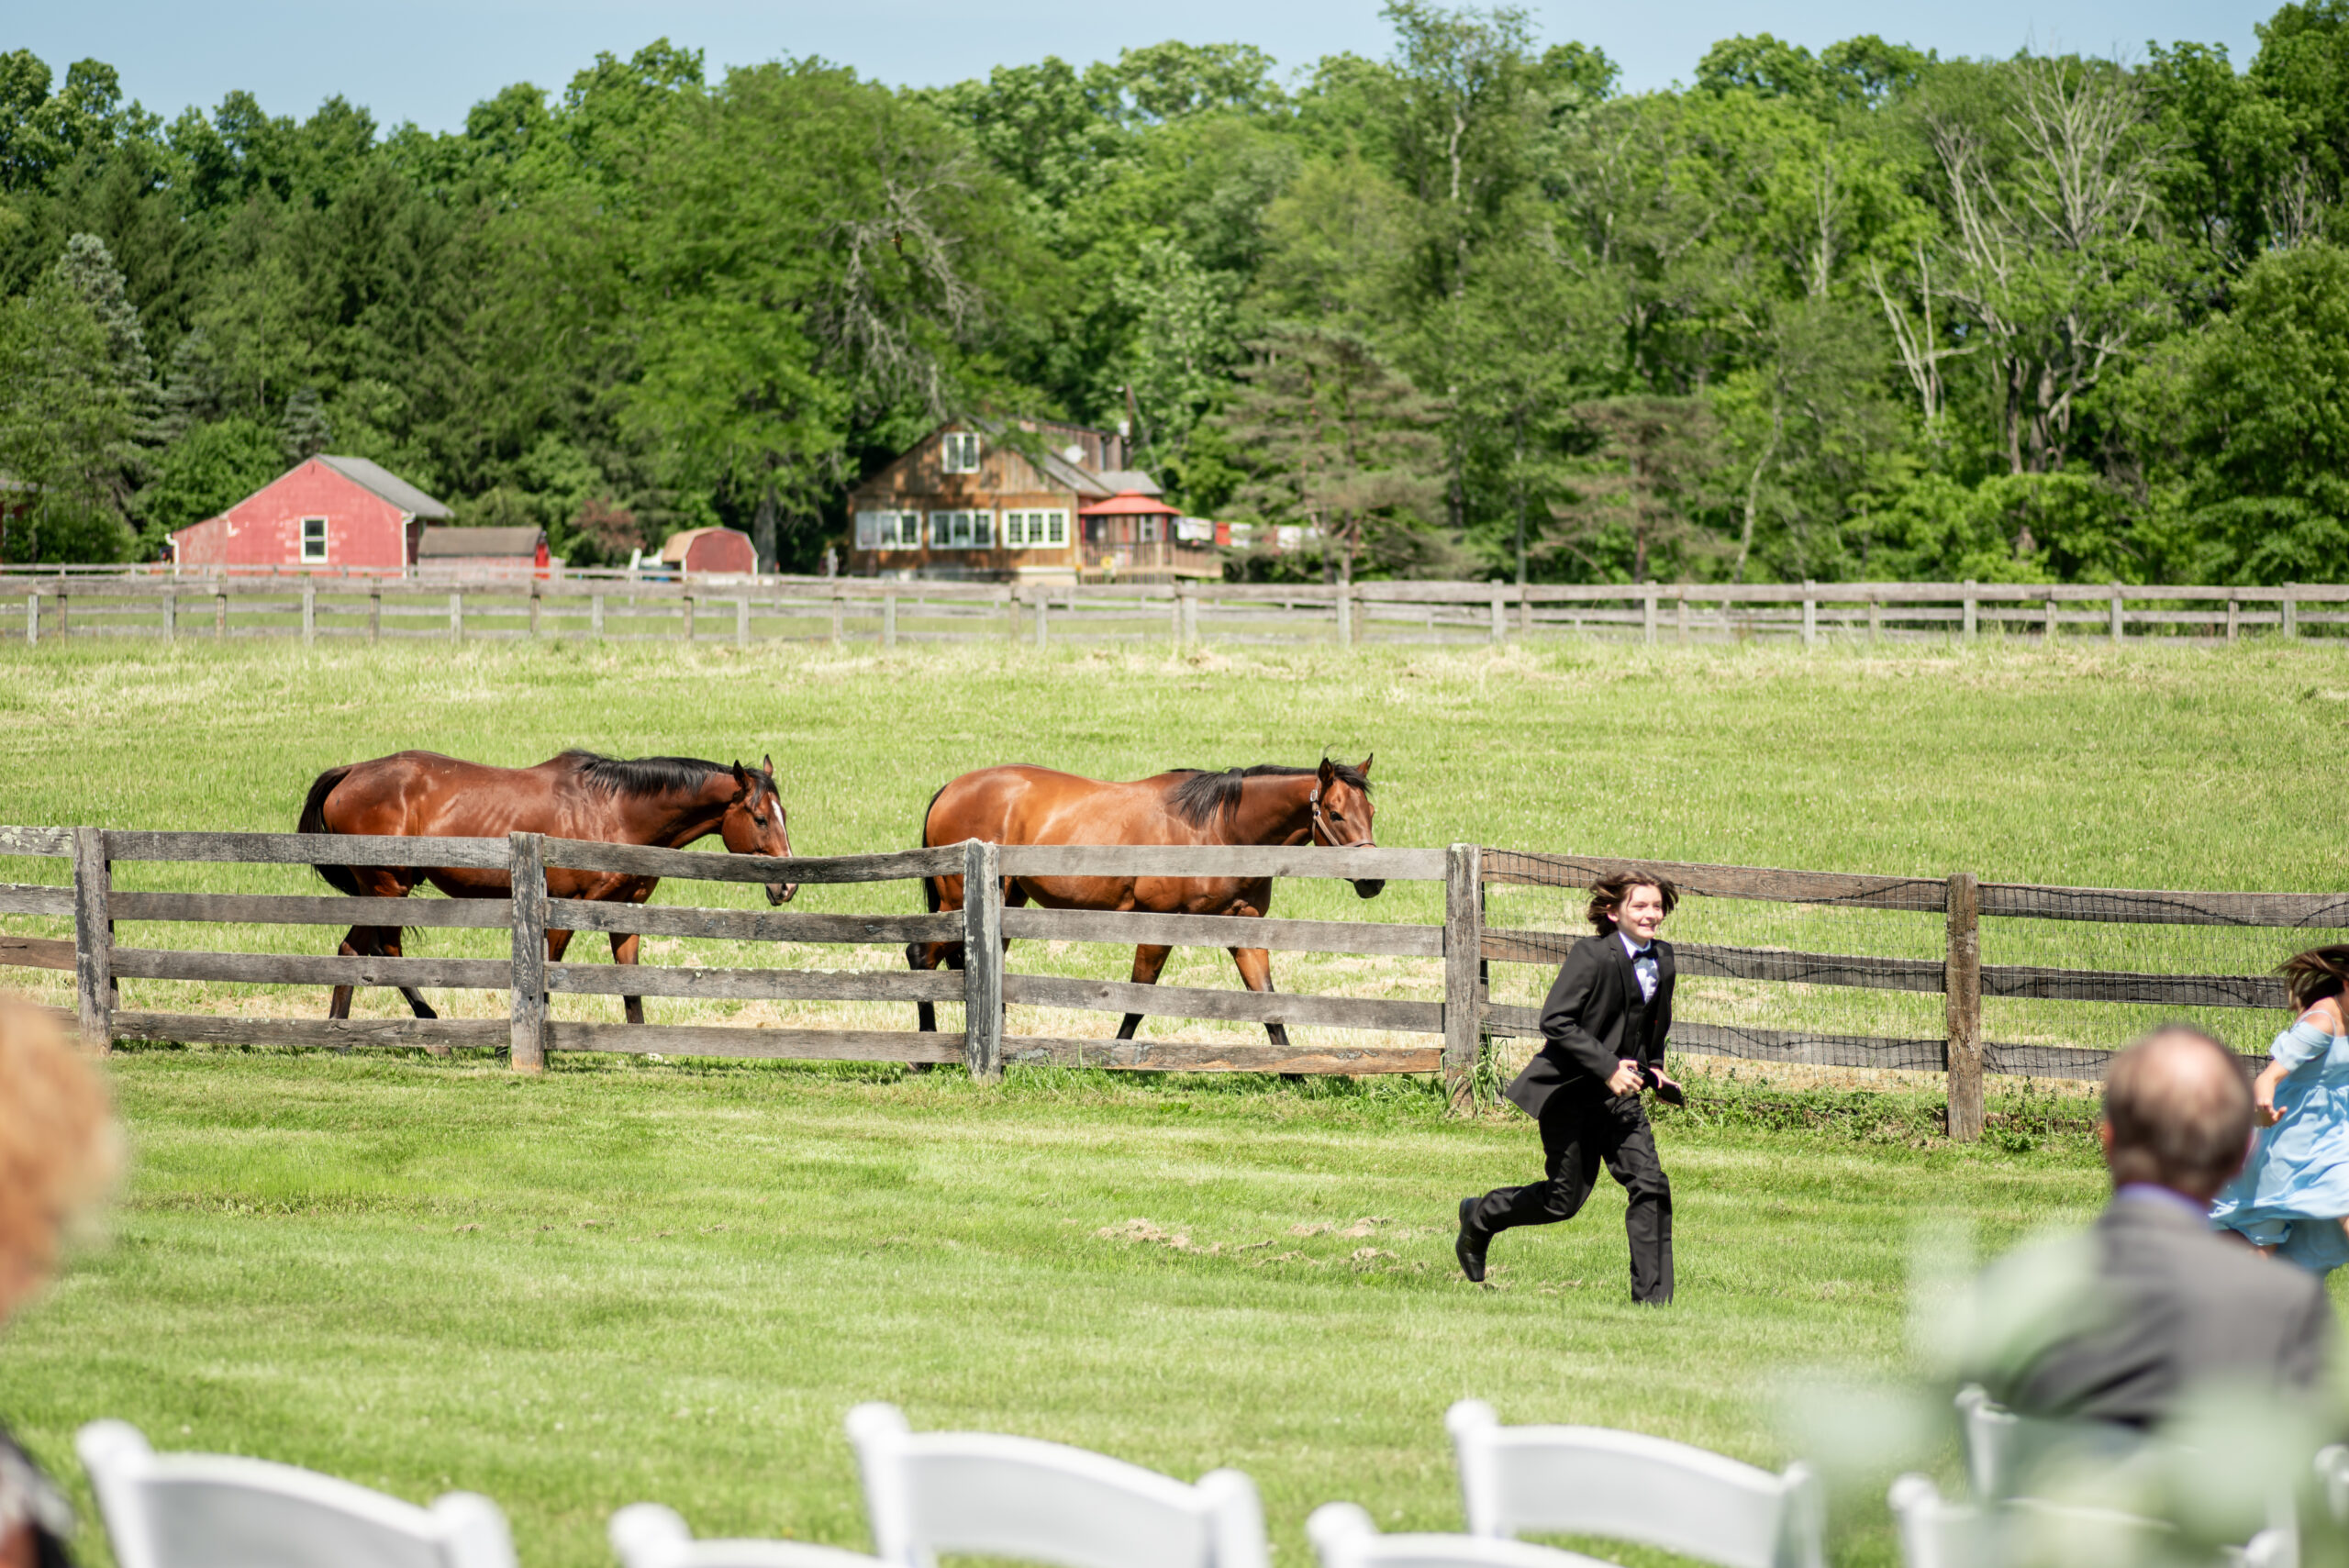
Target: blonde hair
60	1148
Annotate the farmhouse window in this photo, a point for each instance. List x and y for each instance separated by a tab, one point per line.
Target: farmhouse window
962	451
1150	527
962	530
888	530
313	538
1033	530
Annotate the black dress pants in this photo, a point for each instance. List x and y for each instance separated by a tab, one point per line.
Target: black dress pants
1581	1128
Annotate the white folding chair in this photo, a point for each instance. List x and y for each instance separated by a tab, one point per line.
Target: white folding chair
2027	1532
1041	1502
205	1510
1632	1486
2003	1450
1344	1537
650	1535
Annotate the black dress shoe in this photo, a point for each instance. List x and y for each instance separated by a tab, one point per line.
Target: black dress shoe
1469	1248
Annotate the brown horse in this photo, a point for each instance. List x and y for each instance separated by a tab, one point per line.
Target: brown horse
1267	805
666	801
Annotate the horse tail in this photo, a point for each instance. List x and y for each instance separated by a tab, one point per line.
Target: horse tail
314	820
929	893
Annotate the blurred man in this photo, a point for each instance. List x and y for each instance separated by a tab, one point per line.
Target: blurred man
2157	1306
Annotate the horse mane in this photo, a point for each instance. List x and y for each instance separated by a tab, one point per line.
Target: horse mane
1203	796
643	775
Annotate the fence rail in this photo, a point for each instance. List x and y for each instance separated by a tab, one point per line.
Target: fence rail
1460	1024
617	607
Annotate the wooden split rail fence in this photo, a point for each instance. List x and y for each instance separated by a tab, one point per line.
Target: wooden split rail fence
1960	975
1455	1027
983	926
888	612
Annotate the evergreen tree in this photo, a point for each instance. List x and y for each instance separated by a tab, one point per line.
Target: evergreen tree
305	430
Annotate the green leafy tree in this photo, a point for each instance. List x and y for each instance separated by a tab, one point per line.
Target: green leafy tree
66	417
1336	439
208	469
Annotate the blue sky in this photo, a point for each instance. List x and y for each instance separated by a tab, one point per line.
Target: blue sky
429	61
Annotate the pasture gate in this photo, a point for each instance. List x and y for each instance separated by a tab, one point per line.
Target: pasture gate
1453	1031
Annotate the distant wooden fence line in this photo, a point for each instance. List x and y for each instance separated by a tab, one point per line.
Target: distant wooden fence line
888	612
1456	1027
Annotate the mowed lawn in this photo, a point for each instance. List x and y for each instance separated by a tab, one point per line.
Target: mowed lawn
630	1280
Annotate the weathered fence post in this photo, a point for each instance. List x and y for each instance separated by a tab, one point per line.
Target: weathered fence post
170	617
596	614
889	620
32	617
535	600
2235	619
840	619
1345	626
1648	618
1524	612
2291	626
1809	614
2047	620
1875	620
309	614
1500	619
1680	615
688	632
456	616
1972	615
1043	616
64	602
1190	595
93	988
982	959
526	864
2118	614
1463	943
219	614
376	616
743	622
1962	980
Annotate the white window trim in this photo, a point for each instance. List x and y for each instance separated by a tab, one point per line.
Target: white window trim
981	526
326	537
905	529
1035	530
963	445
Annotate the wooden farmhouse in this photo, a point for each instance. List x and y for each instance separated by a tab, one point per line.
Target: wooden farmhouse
1024	501
327	514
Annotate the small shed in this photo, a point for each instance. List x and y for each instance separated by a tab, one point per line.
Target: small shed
327	512
710	550
483	550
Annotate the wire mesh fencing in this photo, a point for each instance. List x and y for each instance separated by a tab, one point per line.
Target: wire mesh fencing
1835	970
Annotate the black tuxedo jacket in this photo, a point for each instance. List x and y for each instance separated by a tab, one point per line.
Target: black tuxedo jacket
1585	1022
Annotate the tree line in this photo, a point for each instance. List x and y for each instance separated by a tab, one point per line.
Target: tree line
1468	310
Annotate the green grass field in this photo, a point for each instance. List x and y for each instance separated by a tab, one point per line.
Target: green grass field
627	1280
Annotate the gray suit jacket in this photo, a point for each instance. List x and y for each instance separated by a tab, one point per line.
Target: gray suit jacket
2161	1306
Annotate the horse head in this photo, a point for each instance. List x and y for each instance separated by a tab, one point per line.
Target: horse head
1342	815
756	824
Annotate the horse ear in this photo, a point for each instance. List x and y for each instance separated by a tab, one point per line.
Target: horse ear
767	765
1329	772
741	779
1365	769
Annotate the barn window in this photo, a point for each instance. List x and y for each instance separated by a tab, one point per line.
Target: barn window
1150	527
962	451
313	538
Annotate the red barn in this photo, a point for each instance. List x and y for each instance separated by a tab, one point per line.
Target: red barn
710	550
329	513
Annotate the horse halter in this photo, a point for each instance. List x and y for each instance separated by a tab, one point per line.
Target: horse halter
1320	824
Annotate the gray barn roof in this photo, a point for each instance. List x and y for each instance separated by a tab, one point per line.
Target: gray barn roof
467	544
389	485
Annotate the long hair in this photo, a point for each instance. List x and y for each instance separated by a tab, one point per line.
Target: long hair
1607	895
2309	977
314	820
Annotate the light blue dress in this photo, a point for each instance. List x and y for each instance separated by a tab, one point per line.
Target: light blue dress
2294	1191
